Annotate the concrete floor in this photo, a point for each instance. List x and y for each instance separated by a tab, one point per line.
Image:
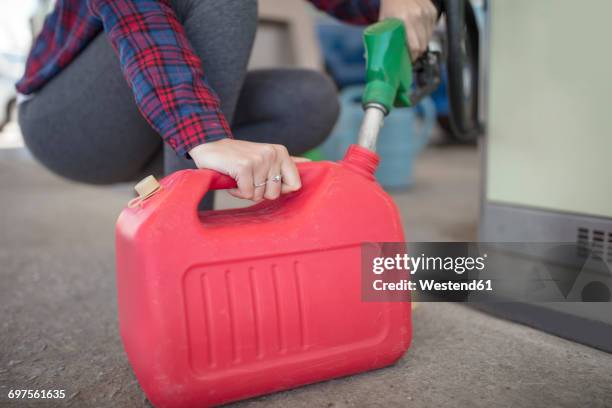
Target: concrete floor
59	328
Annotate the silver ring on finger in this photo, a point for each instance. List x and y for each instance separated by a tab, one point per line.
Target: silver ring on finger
277	178
257	185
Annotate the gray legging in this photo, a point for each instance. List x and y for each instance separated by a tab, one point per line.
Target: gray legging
84	124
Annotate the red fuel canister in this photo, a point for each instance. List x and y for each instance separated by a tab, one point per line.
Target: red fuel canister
224	305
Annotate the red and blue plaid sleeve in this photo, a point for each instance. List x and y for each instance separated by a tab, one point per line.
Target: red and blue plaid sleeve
350	11
163	71
66	31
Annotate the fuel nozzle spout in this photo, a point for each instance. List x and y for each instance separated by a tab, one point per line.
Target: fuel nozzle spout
373	120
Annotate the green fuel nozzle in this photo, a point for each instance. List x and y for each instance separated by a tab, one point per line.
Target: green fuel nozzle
390	74
388	65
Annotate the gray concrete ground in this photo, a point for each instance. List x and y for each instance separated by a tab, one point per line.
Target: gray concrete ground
59	327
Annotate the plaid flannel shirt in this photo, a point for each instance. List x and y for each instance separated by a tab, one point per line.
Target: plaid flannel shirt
163	71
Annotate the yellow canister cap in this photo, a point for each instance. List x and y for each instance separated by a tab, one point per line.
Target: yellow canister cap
147	187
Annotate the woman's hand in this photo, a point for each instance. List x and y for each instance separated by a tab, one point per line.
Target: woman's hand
252	165
419	17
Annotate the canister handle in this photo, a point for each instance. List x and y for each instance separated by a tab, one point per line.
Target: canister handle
199	182
220	181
